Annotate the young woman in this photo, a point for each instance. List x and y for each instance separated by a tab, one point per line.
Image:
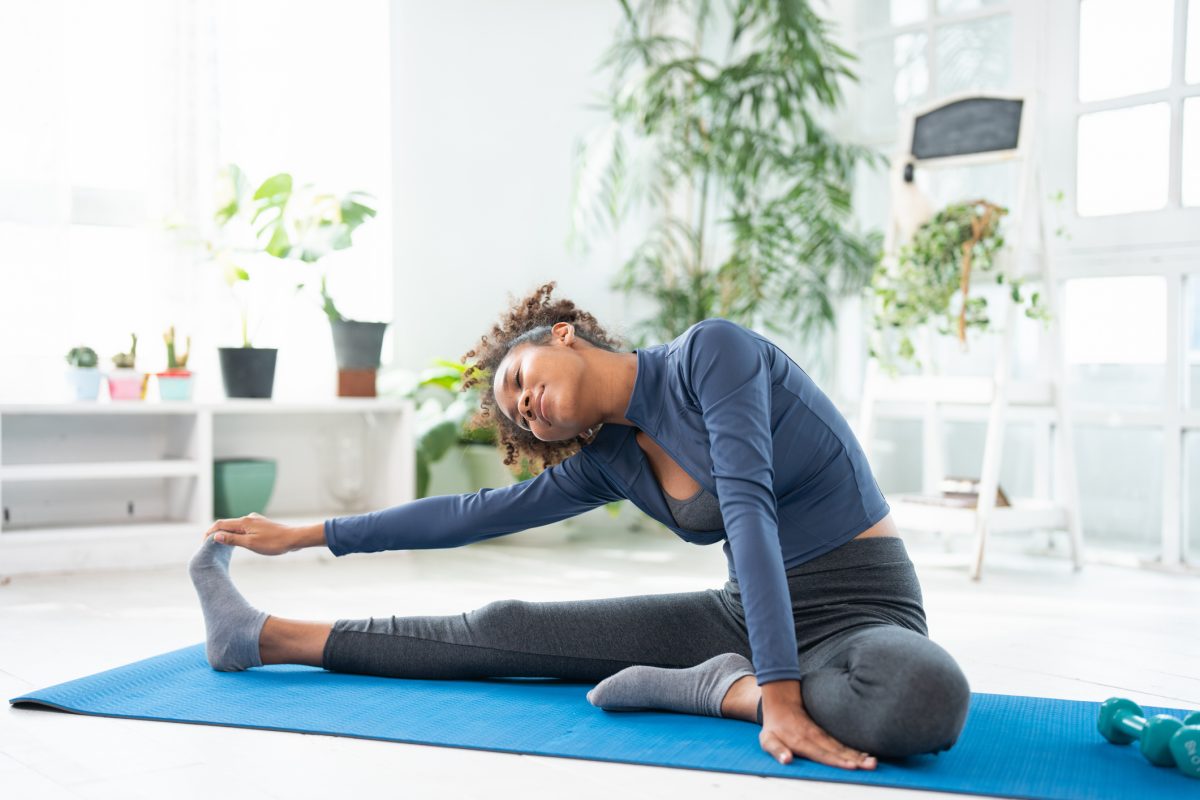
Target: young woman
818	634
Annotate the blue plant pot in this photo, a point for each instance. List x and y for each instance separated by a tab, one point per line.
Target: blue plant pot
84	382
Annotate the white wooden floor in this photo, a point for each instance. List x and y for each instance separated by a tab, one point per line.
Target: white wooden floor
1030	627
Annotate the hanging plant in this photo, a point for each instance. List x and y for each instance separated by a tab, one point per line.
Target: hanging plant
930	271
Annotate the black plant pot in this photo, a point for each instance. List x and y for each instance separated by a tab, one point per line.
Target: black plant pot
248	371
357	345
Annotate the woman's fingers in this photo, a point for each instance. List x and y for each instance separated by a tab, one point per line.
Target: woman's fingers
237	525
815	748
226	537
775	746
833	745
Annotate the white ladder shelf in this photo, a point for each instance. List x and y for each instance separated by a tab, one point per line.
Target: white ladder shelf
999	392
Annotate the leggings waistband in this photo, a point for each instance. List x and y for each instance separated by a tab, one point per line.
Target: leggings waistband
871	551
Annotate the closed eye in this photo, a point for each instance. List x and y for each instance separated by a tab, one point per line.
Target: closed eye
518	416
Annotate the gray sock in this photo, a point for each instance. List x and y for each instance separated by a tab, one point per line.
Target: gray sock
231	624
692	690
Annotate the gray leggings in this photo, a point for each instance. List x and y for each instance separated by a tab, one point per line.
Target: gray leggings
871	676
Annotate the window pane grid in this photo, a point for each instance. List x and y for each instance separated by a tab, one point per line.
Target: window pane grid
903	66
1129	109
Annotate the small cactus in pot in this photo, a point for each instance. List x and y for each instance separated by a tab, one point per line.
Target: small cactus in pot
83	374
82	357
175	382
124	381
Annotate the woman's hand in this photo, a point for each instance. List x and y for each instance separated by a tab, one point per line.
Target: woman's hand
787	730
256	532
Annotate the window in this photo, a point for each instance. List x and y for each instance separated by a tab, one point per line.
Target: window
123	113
1192	499
1115	340
913	52
1118	91
1130	104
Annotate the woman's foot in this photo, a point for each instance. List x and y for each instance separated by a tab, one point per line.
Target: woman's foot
232	626
703	689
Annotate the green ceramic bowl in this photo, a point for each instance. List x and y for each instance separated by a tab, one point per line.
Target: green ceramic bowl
242	485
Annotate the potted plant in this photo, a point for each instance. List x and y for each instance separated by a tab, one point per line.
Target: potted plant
175	382
306	225
83	374
125	382
246	370
443	431
715	128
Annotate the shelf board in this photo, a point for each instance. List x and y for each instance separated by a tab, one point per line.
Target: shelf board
229	406
967	390
80	534
120	546
1023	514
100	470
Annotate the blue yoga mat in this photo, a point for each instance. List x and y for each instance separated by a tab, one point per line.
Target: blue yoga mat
1012	746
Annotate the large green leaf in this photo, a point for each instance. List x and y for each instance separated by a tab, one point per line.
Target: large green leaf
275	188
232	184
279	245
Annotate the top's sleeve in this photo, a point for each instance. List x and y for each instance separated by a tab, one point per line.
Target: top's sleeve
730	377
562	490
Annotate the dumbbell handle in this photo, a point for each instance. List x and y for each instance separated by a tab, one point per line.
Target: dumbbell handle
1130	722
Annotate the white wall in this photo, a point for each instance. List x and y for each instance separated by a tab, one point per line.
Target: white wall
488	101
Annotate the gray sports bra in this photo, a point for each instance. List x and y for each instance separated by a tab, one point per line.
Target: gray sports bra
700	512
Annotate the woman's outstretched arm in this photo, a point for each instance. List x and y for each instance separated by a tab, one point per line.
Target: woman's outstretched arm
560	491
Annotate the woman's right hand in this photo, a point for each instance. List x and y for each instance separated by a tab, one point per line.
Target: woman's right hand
256	532
787	730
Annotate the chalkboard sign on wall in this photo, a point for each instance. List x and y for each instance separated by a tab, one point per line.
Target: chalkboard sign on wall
964	127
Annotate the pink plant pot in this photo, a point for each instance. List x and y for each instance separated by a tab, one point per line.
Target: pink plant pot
126	384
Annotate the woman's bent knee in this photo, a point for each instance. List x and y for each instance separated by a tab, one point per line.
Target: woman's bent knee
898	694
927	702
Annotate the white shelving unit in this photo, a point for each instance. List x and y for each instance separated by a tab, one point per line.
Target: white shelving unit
129	484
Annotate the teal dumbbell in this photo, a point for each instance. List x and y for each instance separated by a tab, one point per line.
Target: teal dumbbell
1185	745
1122	721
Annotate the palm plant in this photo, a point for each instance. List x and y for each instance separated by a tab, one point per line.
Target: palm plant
751	196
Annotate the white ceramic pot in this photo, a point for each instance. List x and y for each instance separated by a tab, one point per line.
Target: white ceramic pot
83	383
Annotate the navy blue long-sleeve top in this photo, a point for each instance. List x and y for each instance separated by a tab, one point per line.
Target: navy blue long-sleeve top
739	416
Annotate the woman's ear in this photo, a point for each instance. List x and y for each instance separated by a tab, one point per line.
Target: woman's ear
564	331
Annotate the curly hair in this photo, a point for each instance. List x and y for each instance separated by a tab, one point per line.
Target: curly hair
529	319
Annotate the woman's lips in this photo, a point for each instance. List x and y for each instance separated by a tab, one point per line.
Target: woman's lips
542	406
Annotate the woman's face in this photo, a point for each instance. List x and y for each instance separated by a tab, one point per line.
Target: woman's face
541	387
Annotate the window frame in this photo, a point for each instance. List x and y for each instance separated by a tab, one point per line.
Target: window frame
1161	243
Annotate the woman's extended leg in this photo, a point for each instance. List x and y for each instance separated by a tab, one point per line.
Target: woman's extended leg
582	640
585	640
